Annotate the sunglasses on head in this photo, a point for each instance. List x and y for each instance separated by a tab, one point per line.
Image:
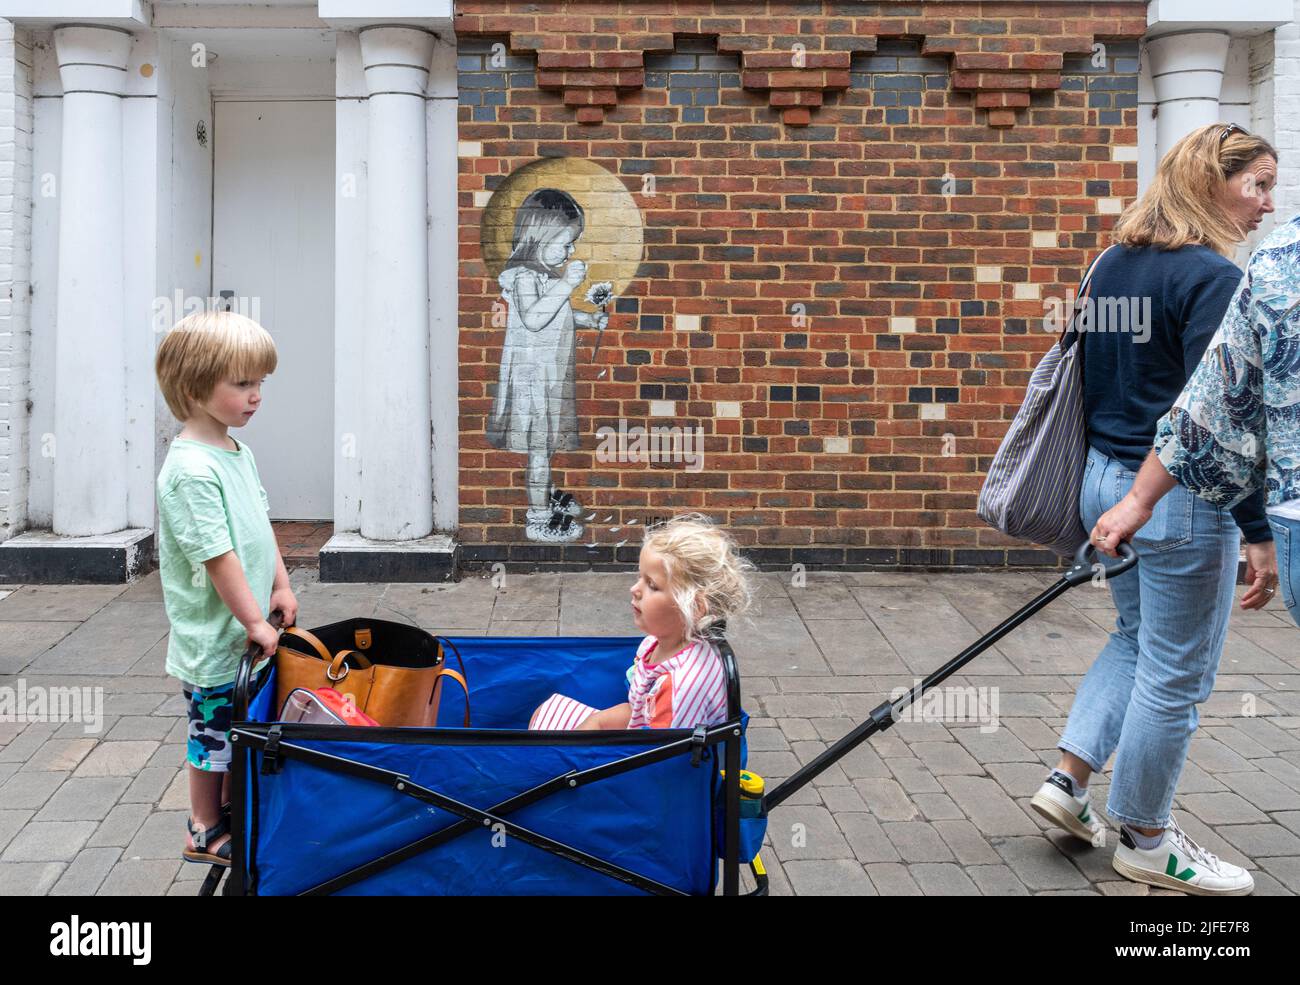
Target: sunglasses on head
1230	128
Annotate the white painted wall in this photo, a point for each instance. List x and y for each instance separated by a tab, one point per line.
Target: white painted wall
15	271
1286	115
184	204
352	134
139	252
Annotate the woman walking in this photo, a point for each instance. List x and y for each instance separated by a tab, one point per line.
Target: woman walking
1157	298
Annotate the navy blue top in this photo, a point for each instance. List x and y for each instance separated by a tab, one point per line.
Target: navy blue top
1154	312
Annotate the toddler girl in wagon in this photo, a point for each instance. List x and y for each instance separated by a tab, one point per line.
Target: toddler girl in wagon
690	577
535	410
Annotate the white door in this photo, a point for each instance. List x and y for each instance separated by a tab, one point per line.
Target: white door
273	249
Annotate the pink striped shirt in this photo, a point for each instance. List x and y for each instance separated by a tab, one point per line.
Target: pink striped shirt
687	689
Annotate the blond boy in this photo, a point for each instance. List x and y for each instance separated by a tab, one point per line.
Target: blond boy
221	569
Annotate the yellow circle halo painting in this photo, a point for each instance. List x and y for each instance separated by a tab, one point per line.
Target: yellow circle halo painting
612	239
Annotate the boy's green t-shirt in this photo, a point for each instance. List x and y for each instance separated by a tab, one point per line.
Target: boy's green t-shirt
210	501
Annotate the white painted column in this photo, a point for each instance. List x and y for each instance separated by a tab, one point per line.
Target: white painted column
90	460
1187	74
395	448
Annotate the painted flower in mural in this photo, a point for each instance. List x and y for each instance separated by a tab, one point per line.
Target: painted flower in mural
601	294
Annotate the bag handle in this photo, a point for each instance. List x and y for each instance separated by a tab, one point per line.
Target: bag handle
338	668
459	678
321	650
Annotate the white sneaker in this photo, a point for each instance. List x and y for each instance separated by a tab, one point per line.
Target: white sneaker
1068	812
1179	863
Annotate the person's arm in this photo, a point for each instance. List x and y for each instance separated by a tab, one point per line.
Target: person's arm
282	596
1132	512
1213	438
227	575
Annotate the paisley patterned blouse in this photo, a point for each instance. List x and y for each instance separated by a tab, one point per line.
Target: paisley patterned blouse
1236	425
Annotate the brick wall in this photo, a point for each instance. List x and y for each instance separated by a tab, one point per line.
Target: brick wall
853	222
15	274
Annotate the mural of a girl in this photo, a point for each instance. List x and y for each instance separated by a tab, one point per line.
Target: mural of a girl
535	409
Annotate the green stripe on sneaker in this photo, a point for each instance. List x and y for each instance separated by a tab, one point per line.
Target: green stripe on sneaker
1171	869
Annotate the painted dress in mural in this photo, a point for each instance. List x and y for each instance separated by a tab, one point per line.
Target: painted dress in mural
535	409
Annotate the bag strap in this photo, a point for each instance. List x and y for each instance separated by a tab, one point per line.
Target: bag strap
445	671
321	650
1085	288
459	678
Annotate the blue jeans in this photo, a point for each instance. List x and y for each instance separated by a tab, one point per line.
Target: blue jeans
1286	535
1139	697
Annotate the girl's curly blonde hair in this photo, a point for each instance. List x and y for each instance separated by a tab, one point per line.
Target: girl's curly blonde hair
705	571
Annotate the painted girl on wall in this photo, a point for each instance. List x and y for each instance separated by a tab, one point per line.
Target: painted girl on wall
535	410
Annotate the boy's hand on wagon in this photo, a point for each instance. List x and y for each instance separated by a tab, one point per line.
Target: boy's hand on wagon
266	636
284	600
575	273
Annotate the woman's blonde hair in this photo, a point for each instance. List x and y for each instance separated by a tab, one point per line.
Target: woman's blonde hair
1181	207
705	570
205	348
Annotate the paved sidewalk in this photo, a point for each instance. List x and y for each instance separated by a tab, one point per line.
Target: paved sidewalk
928	808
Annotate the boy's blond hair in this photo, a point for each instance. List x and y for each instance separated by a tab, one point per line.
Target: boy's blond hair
704	568
205	348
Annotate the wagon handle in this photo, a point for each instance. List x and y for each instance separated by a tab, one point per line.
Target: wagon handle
245	673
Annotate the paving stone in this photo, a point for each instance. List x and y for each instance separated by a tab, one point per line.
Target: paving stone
885	799
1094	861
117	759
916	841
966	843
88	799
28	878
140	727
1279	768
1019	779
766	739
1039	865
177	795
1268	733
1000	746
22	642
59	755
946	759
1286	871
1222	808
149	785
139	877
988	808
842	800
174	756
1263	791
29	789
864	761
141	703
913	777
996	880
1266	885
1239	742
798	729
86	872
1193	779
1260	840
893	879
1214	756
57	603
943	879
48	841
24	746
1124	888
161	836
801	833
829	877
1288	819
11	822
108	642
120	827
937	807
865	837
1033	733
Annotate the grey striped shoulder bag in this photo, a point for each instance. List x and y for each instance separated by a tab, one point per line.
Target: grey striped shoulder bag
1032	488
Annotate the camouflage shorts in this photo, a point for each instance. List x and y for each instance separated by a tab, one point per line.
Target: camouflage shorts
210	710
